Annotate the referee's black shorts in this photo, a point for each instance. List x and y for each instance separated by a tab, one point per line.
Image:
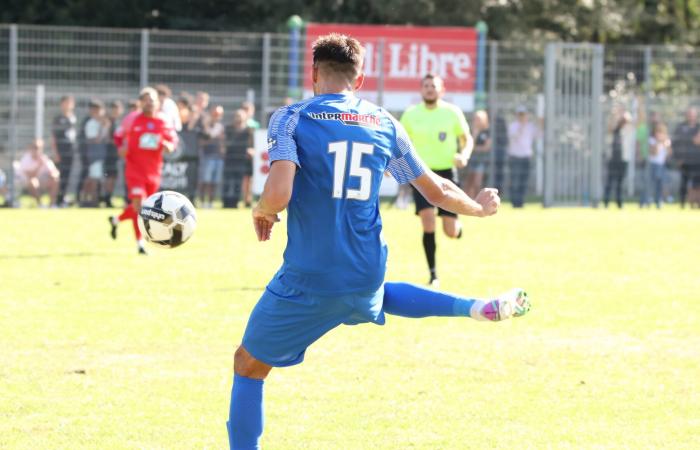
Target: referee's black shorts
422	203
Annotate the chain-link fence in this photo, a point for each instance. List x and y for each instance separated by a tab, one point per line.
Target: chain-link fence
569	93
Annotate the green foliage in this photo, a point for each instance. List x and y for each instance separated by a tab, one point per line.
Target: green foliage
605	21
103	349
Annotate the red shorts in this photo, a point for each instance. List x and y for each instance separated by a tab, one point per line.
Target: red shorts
141	186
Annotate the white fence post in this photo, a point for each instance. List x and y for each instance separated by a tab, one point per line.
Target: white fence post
39	111
143	72
550	107
13	108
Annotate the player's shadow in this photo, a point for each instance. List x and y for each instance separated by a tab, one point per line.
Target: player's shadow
52	255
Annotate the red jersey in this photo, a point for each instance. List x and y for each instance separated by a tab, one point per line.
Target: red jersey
145	138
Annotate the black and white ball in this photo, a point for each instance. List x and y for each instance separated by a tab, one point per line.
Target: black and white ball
167	219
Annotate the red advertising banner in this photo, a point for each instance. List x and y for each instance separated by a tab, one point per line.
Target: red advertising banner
409	53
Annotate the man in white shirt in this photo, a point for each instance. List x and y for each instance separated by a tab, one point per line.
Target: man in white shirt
522	135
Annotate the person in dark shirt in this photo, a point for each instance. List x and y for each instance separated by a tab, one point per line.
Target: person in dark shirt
472	176
63	141
686	144
94	138
239	154
617	166
116	110
500	147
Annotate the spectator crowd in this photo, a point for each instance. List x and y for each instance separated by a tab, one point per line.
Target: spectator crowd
223	147
223	144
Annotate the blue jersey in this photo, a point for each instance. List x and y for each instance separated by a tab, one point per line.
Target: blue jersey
342	146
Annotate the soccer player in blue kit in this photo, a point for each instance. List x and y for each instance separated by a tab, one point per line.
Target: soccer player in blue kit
328	155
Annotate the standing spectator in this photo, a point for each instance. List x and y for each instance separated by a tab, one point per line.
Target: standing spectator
239	154
686	142
184	107
616	166
116	109
659	151
63	140
499	135
36	172
481	156
168	106
694	173
211	155
95	133
642	136
4	191
249	108
522	134
199	110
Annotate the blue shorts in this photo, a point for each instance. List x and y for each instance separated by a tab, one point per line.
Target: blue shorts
212	169
286	321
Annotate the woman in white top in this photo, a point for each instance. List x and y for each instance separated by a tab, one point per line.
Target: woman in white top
659	151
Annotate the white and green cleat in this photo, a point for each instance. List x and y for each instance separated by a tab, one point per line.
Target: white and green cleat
513	303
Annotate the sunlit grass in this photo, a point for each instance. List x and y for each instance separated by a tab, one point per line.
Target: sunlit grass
101	348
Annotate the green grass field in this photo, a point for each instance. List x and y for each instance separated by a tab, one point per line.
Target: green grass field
101	348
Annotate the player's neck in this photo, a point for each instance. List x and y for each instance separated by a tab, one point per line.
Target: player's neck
329	87
431	105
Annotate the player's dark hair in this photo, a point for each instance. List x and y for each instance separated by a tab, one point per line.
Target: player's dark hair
339	54
431	76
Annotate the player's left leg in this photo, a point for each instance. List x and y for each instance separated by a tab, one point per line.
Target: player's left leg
410	300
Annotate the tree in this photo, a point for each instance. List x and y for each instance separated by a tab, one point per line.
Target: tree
604	21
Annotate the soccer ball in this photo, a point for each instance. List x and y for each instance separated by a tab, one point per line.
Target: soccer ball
167	219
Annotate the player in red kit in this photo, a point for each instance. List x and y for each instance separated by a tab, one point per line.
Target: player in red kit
141	144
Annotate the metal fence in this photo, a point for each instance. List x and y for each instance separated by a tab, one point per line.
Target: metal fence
572	89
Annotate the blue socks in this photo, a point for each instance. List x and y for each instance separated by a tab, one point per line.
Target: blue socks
245	419
410	300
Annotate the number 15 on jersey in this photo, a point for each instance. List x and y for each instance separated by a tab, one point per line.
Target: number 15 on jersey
340	150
